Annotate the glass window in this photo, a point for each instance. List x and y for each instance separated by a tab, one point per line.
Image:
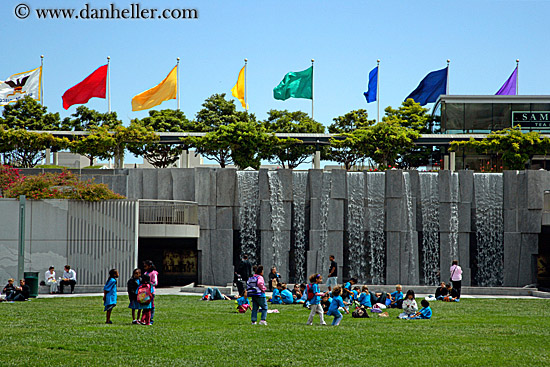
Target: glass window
453	118
525	107
478	117
502	116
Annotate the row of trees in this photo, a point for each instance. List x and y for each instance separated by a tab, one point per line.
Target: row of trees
232	137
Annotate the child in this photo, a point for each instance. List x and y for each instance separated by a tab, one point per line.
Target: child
151	270
396	298
364	297
109	294
303	298
242	303
148	306
276	297
336	303
315	302
424	313
9	288
325	302
296	293
350	283
409	306
132	286
355	294
441	292
286	295
453	295
255	287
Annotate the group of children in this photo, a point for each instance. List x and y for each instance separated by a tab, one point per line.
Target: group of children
141	292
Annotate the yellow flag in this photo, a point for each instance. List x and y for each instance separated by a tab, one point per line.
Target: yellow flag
238	89
167	89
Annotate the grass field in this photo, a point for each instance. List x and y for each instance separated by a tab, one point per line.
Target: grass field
190	332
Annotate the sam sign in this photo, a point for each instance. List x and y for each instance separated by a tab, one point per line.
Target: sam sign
531	119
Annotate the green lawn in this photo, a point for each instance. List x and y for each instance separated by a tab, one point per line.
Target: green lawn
189	332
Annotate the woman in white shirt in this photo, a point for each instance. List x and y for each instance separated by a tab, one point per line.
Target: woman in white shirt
49	276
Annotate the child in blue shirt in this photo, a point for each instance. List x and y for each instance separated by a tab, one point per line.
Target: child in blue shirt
286	295
109	294
336	303
396	298
242	303
315	302
424	313
276	297
364	297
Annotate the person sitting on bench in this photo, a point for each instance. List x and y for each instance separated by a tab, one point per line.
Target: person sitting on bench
69	278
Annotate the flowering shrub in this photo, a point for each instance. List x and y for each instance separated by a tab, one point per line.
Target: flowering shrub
64	185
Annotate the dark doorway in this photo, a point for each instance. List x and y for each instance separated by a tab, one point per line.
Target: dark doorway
176	259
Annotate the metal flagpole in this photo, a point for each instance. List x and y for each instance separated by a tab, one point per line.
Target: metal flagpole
312	61
447	86
378	88
41	81
245	94
178	81
109	84
517	77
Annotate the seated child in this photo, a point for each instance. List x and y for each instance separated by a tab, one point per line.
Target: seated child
242	303
335	305
276	298
325	302
364	297
409	305
452	294
355	294
441	292
396	298
424	313
296	293
303	297
286	295
350	283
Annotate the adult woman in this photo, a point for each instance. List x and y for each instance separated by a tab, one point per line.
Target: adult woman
456	276
49	277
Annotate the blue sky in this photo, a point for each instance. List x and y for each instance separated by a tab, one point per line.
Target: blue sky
411	38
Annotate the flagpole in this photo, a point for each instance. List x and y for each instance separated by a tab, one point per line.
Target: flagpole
517	76
41	82
312	61
447	86
378	88
178	81
109	84
245	94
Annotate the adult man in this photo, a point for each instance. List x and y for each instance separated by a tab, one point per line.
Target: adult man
69	278
21	293
244	271
332	279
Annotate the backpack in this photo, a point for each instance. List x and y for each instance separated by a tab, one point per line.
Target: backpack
359	312
310	293
252	286
144	295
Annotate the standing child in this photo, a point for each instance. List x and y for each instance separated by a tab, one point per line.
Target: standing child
132	286
145	299
255	287
109	294
151	270
424	313
409	305
315	301
336	303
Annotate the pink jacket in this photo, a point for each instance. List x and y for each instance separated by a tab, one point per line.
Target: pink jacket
261	283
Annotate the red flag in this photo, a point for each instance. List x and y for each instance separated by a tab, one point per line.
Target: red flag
93	86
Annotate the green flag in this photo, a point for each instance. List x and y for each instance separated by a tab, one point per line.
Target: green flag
295	85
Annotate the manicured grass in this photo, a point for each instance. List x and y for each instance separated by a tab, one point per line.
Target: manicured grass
189	332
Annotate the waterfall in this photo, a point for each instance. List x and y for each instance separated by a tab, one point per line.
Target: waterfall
453	222
299	184
488	189
429	194
277	215
247	182
356	227
410	247
376	237
325	201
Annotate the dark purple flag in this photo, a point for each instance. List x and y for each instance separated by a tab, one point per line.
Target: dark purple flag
509	87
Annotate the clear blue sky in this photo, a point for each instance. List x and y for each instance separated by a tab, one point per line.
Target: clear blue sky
411	38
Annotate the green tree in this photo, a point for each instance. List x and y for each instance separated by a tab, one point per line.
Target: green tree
218	111
348	147
515	147
291	154
386	141
413	116
23	148
28	114
85	119
162	155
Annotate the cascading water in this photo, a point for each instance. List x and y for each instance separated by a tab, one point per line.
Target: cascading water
429	194
325	200
488	188
299	184
356	220
453	221
277	215
410	247
376	238
247	184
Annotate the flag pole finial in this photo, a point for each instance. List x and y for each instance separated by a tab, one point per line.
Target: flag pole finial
245	60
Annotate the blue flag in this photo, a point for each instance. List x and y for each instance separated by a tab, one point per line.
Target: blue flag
430	88
370	94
